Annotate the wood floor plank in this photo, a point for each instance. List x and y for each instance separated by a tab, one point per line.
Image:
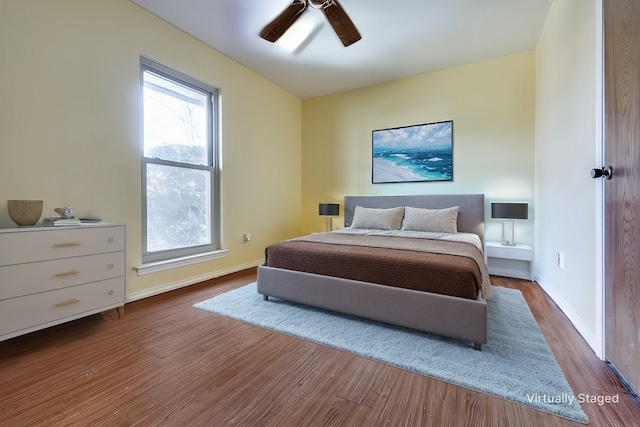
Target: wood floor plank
166	364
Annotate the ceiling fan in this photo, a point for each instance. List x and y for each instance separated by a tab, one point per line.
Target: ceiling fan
337	17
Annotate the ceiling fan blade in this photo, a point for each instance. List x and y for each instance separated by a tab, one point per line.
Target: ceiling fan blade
276	28
341	23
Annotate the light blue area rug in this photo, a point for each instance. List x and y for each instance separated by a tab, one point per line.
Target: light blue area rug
516	364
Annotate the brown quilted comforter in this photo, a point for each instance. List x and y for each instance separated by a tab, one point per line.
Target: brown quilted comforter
439	266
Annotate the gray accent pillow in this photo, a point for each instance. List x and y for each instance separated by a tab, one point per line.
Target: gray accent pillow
378	219
435	220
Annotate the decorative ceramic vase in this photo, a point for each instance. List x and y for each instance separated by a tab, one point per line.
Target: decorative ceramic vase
25	212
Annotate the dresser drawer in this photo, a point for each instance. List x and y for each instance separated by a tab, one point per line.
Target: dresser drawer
32	310
24	279
39	244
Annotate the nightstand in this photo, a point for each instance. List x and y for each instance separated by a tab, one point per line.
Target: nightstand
511	261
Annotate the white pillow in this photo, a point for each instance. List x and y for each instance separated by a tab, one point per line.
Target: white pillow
435	220
378	219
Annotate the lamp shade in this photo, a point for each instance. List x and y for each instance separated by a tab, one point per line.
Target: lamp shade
329	209
510	210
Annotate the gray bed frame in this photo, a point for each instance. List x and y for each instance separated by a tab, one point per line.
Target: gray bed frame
454	317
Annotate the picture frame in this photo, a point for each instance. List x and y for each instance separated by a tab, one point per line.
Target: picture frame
415	153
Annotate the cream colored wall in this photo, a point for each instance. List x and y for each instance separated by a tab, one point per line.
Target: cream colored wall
568	137
70	126
492	107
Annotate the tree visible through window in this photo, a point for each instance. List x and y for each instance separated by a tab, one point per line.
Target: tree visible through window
178	165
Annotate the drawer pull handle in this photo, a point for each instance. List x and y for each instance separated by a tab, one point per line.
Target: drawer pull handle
60	245
71	301
68	273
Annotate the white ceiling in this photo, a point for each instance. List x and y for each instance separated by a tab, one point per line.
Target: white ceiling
400	38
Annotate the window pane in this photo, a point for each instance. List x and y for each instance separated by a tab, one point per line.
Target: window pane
175	121
178	207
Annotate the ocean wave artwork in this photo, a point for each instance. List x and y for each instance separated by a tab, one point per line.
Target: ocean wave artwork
413	153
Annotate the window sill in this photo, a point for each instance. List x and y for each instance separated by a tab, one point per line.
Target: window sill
154	267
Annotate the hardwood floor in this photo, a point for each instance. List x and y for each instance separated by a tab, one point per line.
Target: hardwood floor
168	364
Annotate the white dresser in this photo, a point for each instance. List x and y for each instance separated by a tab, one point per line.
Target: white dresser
50	275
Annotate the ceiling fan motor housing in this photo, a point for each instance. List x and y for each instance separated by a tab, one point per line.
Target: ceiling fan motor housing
322	4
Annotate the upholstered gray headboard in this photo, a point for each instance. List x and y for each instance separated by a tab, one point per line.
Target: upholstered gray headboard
470	215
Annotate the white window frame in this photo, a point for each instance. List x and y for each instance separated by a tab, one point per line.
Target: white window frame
159	260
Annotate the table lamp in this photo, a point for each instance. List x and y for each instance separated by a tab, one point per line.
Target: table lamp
508	212
329	210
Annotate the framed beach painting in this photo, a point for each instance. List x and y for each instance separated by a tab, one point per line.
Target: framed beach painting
414	153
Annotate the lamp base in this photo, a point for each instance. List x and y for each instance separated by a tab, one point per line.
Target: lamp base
328	226
507	233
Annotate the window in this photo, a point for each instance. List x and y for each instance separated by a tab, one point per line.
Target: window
179	173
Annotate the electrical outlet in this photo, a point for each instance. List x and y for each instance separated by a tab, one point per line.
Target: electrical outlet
561	260
246	237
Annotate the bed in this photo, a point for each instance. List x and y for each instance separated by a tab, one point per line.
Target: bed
315	278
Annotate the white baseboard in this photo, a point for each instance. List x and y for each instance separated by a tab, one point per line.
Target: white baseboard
575	320
134	296
508	272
